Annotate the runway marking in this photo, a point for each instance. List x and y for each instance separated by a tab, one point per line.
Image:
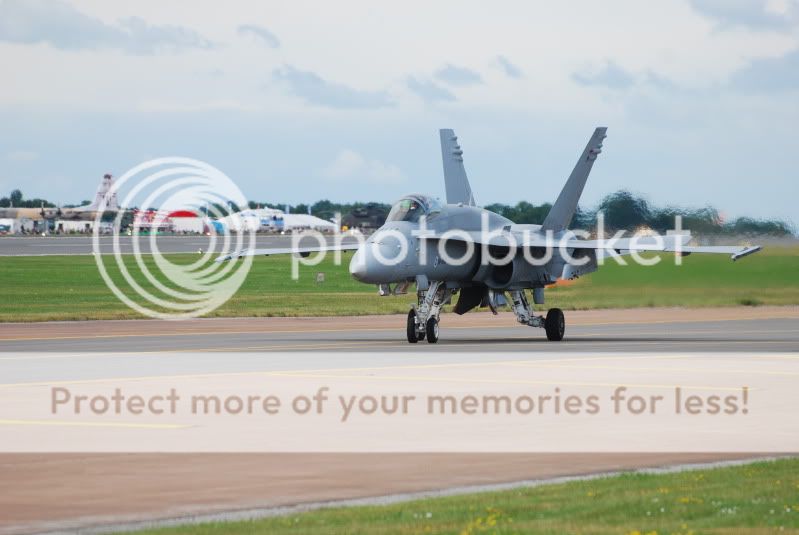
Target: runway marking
322	370
502	381
270	373
273	348
368	329
698	370
394	344
65	423
175	352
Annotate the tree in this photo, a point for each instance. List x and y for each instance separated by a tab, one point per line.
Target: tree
325	209
748	225
16	198
625	211
299	209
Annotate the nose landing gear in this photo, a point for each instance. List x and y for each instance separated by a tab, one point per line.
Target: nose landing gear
432	330
413	332
423	318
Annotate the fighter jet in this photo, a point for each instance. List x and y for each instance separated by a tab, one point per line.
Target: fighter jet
460	249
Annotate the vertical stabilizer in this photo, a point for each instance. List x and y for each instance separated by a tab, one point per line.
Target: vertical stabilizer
104	193
563	210
455	181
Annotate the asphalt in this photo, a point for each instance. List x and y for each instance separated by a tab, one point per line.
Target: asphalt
99	349
82	245
68	492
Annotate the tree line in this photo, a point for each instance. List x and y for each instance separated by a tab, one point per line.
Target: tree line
622	210
626	211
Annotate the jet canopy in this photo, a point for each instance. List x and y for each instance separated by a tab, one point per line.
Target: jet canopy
412	207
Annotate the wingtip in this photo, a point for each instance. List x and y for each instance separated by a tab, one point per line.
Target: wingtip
746	252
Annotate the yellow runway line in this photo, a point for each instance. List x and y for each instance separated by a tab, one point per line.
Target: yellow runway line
506	381
64	423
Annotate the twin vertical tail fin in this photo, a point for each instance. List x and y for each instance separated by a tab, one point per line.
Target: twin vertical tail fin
455	180
562	211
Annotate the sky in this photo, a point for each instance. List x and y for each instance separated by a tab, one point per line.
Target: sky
303	100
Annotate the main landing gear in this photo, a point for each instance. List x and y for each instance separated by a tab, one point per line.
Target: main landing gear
423	318
554	324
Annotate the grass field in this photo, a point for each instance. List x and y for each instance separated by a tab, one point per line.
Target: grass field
750	499
70	287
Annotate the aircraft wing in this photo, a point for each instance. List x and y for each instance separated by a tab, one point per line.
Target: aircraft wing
666	244
302	251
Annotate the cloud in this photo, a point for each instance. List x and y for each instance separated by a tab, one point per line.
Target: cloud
61	26
458	76
611	76
263	34
312	88
508	68
429	91
757	14
21	156
769	74
350	166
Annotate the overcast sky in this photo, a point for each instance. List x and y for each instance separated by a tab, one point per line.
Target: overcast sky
302	100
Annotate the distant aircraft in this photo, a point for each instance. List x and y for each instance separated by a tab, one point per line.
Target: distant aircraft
460	248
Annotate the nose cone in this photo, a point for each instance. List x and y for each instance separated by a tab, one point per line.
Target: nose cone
373	263
358	265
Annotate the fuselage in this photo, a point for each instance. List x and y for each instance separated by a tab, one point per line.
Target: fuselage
439	243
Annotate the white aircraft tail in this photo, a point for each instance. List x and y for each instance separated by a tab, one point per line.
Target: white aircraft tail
104	194
455	180
562	211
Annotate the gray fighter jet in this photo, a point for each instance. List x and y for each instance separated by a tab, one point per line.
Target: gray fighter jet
459	249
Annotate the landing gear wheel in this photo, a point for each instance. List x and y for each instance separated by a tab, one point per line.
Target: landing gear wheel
411	330
555	325
413	335
432	330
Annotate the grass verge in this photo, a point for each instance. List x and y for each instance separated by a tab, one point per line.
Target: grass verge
751	499
70	288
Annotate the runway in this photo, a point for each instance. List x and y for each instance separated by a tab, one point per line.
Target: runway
770	329
82	245
70	491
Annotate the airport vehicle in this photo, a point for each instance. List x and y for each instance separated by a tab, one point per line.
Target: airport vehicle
458	248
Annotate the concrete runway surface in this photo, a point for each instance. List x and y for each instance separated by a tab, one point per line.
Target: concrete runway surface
82	245
66	491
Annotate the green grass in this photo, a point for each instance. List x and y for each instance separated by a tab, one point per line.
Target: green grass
70	287
750	499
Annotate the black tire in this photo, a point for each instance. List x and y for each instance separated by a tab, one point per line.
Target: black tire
411	330
555	325
432	330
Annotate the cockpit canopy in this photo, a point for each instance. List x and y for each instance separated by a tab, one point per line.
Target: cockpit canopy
412	207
